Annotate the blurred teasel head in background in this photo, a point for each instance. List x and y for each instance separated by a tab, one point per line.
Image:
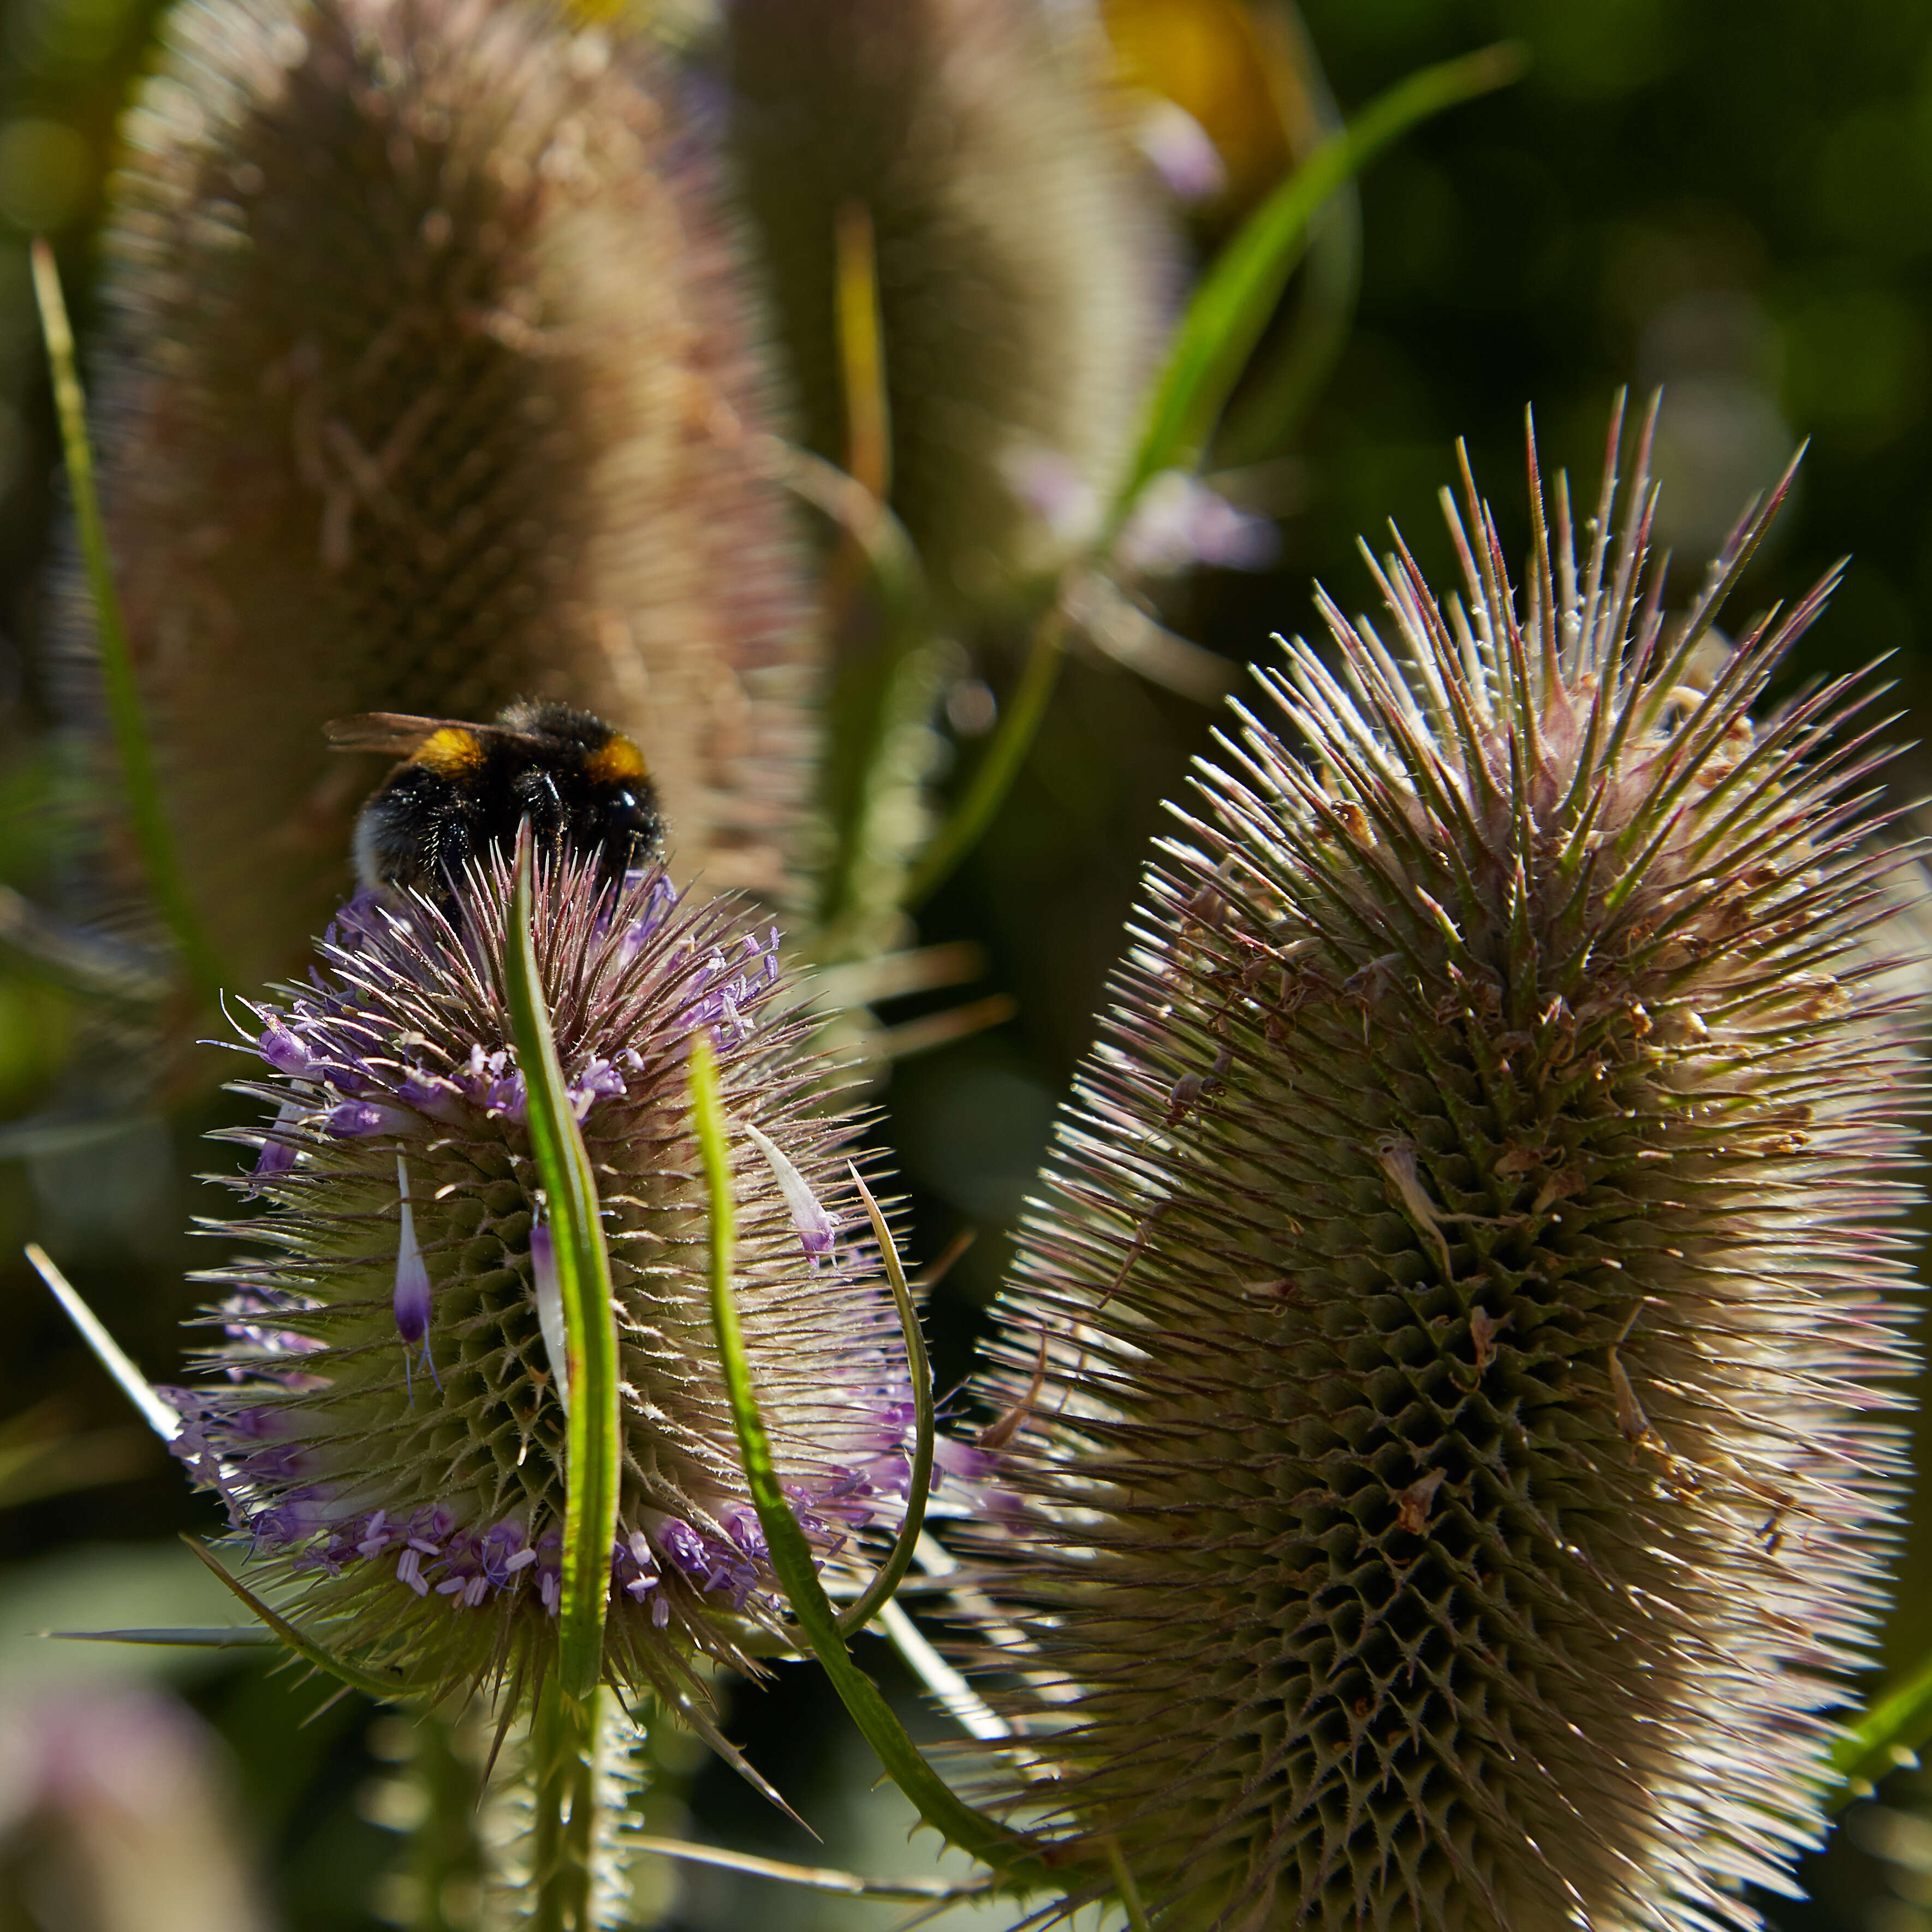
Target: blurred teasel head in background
1021	252
1460	1476
384	1418
431	381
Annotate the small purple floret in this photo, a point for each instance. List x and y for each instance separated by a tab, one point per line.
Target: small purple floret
280	1048
362	1120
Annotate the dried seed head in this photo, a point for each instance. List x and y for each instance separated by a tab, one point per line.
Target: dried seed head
1461	1471
388	1426
429	385
1022	261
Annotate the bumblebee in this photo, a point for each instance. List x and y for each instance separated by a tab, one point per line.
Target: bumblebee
462	788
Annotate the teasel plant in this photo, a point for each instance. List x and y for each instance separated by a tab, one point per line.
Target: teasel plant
1019	249
966	308
432	377
462	1401
558	1634
1458	1328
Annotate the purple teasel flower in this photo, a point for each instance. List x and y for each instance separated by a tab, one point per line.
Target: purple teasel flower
422	1515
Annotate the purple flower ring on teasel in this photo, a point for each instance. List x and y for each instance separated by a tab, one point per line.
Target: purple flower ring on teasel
383	1415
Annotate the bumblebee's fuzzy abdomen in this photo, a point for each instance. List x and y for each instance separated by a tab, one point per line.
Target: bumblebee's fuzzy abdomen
414	833
581	786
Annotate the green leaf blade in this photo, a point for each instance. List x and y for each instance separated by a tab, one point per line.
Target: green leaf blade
154	838
1231	308
884	1586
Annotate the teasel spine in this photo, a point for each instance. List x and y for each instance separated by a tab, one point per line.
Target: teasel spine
1459	1482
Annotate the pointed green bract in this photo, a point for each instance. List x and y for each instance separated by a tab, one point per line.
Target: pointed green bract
582	1264
1462	1476
791	1556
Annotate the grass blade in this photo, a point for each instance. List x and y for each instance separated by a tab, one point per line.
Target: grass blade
185	1637
147	817
885	1585
816	1878
1231	307
583	1278
1018	1859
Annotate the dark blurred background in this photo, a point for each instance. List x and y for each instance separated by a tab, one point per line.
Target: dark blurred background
1730	198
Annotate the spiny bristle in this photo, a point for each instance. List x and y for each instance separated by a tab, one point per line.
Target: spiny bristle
1022	261
430	385
387	1423
1460	1478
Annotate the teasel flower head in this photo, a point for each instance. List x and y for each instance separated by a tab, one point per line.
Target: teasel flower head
1463	1280
384	1414
431	381
1022	255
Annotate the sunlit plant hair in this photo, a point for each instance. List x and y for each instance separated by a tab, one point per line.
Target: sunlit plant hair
1461	1475
385	1420
430	383
1022	263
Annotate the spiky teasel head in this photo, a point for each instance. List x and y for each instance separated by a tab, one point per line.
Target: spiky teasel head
1022	260
386	1426
1463	1279
429	385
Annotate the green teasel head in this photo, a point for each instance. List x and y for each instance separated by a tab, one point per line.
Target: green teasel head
1462	1472
383	1410
431	380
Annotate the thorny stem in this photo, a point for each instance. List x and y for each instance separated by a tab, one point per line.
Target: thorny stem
563	1762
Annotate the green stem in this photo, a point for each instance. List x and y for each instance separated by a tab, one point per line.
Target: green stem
1125	1890
445	1849
994	776
1022	1861
562	1758
147	816
879	717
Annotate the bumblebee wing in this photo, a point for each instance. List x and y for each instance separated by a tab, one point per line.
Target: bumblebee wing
394	732
402	736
